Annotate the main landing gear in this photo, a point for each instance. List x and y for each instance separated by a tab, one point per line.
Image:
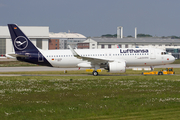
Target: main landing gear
95	73
96	67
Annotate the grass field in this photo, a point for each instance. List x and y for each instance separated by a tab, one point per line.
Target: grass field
14	64
89	97
108	96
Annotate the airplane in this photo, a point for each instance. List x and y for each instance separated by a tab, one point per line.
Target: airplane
114	60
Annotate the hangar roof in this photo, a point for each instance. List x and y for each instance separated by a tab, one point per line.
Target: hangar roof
30	31
66	35
39	32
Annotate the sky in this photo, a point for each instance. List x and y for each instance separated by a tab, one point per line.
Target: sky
95	17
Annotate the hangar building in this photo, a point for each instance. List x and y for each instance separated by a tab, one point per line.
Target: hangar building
62	40
101	43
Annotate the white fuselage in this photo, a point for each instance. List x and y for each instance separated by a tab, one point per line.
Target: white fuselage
132	56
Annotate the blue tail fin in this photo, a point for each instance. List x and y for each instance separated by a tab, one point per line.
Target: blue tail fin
25	50
20	40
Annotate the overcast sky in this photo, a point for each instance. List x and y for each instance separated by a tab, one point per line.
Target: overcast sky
95	17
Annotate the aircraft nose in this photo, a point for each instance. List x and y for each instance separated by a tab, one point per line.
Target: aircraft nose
172	58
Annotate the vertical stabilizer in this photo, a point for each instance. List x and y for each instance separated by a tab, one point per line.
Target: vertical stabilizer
20	40
25	50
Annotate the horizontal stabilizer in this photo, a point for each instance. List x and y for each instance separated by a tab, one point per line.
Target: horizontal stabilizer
13	55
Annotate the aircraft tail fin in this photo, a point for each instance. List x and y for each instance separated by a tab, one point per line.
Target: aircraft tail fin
25	50
20	41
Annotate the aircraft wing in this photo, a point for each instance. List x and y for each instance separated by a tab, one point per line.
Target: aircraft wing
94	60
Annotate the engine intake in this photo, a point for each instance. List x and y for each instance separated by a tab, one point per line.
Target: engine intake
116	67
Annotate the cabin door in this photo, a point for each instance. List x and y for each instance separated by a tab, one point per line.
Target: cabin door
152	54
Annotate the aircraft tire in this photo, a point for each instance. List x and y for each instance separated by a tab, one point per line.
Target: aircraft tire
160	73
95	73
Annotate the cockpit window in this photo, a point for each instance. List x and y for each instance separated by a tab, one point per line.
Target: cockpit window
163	53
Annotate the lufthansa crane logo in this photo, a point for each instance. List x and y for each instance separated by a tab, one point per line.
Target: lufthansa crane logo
21	43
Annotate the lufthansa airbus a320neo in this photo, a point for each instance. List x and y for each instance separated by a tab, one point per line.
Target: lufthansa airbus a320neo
114	60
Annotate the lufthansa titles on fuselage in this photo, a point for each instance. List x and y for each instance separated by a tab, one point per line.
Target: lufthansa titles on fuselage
134	51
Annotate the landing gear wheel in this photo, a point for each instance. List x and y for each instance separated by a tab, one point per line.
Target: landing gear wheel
95	73
160	73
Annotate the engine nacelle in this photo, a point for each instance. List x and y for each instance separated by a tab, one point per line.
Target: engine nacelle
116	67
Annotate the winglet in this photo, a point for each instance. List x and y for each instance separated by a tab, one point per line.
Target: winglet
74	52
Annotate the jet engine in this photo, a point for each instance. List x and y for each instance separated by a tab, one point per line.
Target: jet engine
116	67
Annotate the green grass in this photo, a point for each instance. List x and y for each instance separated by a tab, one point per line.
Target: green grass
15	64
89	97
108	96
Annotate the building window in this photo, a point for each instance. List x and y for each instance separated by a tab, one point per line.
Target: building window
93	44
109	46
39	43
126	46
120	46
2	47
102	46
